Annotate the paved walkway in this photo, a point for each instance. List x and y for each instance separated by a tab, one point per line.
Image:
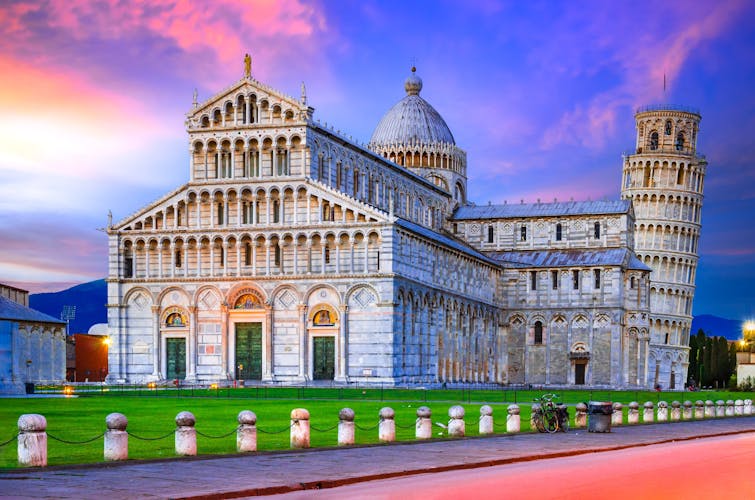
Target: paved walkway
276	472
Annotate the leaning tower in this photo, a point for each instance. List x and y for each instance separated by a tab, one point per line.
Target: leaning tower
664	179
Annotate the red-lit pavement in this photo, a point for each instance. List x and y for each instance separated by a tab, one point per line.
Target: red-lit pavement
704	468
236	476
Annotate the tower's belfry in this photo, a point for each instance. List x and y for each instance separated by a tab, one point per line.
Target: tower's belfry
664	179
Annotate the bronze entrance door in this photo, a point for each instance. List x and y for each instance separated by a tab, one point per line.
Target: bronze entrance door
324	353
175	351
579	373
249	351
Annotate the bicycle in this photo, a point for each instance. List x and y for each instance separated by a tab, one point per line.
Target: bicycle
549	416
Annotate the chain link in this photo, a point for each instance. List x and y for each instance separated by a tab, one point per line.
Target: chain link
275	432
209	436
95	438
411	426
8	441
142	438
366	428
322	430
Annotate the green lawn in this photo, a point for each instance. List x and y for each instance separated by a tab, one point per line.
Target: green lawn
151	414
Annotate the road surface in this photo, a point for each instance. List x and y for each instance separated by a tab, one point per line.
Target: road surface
707	468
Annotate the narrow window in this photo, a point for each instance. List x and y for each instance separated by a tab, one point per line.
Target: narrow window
523	233
244	214
680	141
325	212
654	141
247	254
338	175
222	256
538	332
327	255
575	279
178	258
533	280
178	217
667	130
666	341
554	279
456	227
680	175
220	214
631	282
596	274
558	231
276	211
597	230
128	271
646	177
378	260
277	255
490	234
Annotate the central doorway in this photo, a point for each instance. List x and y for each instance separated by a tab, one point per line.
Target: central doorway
324	353
248	351
579	372
175	350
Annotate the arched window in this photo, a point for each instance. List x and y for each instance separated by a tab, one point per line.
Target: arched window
558	231
680	141
538	332
323	318
654	141
680	175
247	301
667	130
175	320
247	254
631	282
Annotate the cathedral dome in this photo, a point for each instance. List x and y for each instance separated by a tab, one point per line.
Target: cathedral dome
412	120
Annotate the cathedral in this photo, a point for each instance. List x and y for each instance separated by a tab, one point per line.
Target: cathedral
295	254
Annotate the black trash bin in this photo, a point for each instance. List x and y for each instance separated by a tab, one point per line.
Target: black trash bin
29	387
599	416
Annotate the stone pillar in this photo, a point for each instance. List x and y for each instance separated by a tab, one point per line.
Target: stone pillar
720	408
423	428
710	409
345	427
633	415
662	411
676	412
32	440
302	310
729	412
268	368
513	419
647	414
617	417
739	407
299	428
387	426
343	344
748	407
699	410
486	420
580	415
155	342
687	410
186	434
116	437
456	426
246	433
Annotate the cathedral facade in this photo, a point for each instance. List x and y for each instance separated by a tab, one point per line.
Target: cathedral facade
295	253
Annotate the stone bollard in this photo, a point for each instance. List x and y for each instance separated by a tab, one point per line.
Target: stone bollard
617	417
580	415
748	407
513	419
186	434
720	408
687	411
676	411
345	427
633	415
387	426
699	409
729	412
739	407
116	437
486	420
246	433
710	409
647	414
424	425
456	426
662	411
299	428
534	411
32	440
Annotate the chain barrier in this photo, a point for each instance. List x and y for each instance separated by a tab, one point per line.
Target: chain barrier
95	438
411	426
322	430
366	428
8	441
209	436
275	432
142	438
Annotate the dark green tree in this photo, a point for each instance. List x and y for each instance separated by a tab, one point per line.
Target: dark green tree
723	362
709	367
693	371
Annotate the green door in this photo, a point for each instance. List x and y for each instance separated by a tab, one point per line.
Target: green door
176	358
325	358
249	351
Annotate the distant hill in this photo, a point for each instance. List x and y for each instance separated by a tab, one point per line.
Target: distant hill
715	326
89	299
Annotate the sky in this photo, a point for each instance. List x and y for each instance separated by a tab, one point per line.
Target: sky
541	95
